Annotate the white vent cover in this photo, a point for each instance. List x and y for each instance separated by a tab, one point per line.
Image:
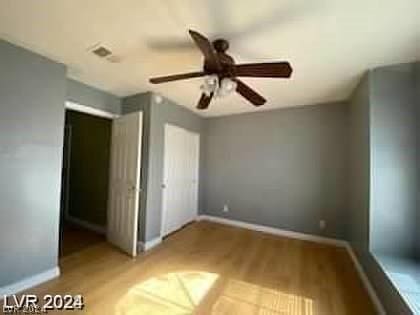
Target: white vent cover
103	52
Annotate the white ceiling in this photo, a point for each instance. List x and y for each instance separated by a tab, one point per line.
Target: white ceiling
329	43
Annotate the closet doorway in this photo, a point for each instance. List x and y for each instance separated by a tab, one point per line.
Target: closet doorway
85	180
180	178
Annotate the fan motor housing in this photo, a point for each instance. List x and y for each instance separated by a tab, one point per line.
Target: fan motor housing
221	45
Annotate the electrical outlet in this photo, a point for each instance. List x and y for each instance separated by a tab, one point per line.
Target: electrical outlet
322	224
225	208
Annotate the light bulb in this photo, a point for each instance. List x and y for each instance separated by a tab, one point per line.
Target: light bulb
227	86
206	89
210	84
211	80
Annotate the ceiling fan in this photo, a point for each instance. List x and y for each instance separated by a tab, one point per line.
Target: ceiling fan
222	73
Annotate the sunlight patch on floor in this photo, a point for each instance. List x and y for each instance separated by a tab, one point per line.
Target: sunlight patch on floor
181	293
172	294
244	298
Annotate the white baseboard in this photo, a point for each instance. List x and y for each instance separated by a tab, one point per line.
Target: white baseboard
145	246
89	226
368	286
29	282
307	237
274	231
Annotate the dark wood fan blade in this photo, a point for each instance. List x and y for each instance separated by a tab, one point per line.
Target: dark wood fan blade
247	92
204	101
263	70
211	59
176	77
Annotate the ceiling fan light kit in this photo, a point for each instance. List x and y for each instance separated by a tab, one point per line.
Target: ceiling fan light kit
219	88
210	84
221	73
227	86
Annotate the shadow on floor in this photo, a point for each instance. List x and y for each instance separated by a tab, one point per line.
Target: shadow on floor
76	239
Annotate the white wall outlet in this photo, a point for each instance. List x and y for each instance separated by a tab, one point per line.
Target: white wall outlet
225	208
322	224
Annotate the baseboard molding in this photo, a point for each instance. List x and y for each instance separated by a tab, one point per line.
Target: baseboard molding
84	224
145	246
29	282
274	231
371	291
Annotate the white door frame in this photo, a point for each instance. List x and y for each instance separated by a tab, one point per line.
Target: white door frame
69	105
163	205
90	110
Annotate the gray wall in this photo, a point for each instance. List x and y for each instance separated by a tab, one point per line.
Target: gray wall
358	227
85	95
393	134
359	179
283	168
32	96
417	91
137	103
155	118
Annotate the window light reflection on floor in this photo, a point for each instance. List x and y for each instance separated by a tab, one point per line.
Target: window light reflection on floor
245	298
182	293
173	293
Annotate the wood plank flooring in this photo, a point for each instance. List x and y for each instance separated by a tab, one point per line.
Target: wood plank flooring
76	239
208	268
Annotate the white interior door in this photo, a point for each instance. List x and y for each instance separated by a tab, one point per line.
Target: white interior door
125	182
180	182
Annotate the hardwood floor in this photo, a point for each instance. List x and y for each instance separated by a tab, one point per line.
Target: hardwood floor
76	239
209	268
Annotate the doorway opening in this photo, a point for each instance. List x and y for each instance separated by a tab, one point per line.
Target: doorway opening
85	181
100	180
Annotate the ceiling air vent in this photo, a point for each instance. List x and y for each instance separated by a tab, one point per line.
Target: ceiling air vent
101	52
